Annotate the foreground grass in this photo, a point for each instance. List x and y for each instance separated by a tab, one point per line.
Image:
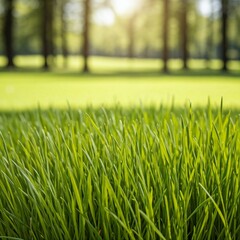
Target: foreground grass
119	173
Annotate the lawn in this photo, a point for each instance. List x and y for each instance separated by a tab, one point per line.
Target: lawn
125	152
120	81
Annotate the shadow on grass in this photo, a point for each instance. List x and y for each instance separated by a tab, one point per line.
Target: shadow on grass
135	75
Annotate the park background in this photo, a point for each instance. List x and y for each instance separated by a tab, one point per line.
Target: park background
129	52
119	119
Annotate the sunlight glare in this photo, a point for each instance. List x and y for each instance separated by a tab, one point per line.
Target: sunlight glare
123	7
104	17
205	7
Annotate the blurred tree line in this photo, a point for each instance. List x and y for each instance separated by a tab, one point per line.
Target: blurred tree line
152	29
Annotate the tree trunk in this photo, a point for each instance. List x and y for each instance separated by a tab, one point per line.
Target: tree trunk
63	33
224	16
184	32
210	34
86	23
45	49
51	28
47	31
165	34
8	33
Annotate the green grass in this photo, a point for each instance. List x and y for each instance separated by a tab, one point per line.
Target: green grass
115	81
110	64
120	173
141	167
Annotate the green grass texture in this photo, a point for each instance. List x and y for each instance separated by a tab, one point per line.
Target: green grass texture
120	173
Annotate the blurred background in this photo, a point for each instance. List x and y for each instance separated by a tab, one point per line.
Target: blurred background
180	29
142	37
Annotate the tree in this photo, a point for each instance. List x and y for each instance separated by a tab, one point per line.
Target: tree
165	33
210	34
8	32
64	31
47	31
184	32
86	26
224	24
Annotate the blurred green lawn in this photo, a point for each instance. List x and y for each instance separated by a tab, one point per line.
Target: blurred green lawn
117	81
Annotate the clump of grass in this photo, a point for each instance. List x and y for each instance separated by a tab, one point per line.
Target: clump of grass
120	174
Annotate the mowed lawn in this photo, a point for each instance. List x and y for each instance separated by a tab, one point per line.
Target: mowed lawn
117	81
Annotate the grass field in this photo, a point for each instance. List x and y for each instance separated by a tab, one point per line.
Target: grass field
121	153
116	81
120	173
